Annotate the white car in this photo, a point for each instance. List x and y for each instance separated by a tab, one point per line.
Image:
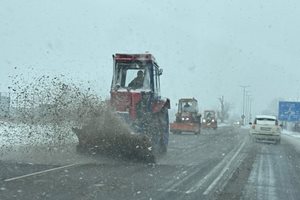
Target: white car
265	127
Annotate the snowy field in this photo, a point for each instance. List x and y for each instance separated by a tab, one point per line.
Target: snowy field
292	138
40	144
12	134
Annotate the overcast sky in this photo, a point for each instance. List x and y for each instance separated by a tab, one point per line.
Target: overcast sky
206	48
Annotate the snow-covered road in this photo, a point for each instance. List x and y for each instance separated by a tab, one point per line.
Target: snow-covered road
275	171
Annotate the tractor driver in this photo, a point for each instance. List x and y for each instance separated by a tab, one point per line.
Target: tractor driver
138	81
186	107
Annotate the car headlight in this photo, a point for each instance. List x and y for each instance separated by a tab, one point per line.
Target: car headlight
182	118
203	120
213	120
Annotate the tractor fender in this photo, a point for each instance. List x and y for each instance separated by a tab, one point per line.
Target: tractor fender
160	104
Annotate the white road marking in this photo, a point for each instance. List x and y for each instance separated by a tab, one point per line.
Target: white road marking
40	172
213	184
215	170
171	185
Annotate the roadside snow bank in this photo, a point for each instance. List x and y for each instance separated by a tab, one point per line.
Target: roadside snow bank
246	127
44	111
223	125
291	133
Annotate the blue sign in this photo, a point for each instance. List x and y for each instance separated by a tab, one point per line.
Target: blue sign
289	111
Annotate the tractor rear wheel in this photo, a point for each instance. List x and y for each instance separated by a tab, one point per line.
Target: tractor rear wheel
164	130
158	130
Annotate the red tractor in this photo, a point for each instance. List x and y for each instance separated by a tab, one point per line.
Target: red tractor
209	119
137	103
135	95
187	117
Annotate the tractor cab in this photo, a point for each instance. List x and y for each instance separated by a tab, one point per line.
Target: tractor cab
188	106
136	72
209	119
135	84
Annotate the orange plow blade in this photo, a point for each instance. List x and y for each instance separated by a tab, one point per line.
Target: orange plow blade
184	127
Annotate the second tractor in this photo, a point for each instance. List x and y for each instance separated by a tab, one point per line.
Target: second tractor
188	118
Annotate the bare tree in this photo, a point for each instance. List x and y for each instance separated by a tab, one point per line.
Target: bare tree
223	113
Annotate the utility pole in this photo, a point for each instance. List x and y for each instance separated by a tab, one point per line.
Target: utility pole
246	107
222	112
247	113
244	94
250	109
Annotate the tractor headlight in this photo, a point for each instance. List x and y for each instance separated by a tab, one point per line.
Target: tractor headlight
182	118
203	120
212	120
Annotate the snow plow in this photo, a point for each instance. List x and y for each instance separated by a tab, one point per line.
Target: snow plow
136	122
187	117
209	119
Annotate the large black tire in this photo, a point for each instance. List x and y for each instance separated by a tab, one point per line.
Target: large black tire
164	130
159	131
163	148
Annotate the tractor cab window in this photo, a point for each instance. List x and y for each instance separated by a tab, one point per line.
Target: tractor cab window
132	75
188	106
209	114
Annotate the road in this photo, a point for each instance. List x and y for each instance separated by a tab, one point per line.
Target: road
220	164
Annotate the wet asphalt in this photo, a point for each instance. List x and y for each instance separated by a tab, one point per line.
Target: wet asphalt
217	164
